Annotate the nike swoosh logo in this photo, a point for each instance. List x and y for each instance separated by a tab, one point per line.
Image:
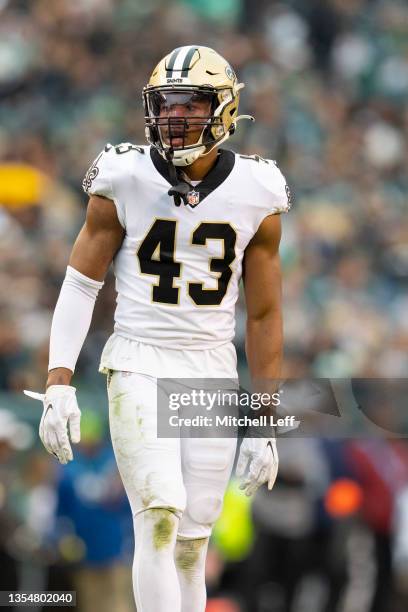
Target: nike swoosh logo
48	407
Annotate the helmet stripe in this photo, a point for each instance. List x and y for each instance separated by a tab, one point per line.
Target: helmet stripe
173	57
179	63
187	61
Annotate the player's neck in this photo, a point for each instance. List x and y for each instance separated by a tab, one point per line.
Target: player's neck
201	167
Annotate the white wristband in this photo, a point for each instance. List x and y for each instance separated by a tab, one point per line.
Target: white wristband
72	318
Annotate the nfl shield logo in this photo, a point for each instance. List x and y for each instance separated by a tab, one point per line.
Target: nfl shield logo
193	198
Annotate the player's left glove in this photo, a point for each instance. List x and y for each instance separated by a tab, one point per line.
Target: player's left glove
60	411
262	455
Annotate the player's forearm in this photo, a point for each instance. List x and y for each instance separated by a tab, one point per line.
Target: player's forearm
264	347
70	324
264	355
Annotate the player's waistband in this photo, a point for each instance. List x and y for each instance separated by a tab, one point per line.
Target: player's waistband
180	343
129	354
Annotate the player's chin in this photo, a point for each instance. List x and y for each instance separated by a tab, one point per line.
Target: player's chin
177	142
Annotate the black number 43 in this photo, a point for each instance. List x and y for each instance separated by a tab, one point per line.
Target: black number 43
156	257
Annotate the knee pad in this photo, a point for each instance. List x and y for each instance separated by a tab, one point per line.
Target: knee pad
207	465
200	515
205	509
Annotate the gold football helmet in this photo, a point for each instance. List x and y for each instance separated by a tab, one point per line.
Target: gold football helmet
188	74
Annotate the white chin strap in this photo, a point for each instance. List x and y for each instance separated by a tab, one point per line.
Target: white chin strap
186	157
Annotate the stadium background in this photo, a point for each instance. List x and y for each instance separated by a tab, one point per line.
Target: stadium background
327	82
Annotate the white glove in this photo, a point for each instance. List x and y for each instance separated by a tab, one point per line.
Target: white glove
262	455
60	410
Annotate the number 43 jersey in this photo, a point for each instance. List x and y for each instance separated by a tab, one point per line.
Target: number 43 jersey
178	269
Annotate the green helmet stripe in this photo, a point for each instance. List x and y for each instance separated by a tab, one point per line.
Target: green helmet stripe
187	61
172	61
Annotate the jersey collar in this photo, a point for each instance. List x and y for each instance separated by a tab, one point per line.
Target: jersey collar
217	175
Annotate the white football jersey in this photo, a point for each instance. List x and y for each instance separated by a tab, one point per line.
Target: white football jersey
178	269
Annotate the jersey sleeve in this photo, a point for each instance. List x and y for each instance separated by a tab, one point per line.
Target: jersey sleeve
100	179
276	193
281	200
279	196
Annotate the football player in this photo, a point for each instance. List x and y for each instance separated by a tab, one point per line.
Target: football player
182	220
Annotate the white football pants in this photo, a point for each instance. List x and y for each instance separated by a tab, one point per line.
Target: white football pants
175	489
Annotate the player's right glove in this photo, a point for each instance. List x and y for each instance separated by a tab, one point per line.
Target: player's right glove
60	411
262	456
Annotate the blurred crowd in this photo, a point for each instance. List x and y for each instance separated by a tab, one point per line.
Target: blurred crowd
327	81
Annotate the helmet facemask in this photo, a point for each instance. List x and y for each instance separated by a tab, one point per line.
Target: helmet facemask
170	132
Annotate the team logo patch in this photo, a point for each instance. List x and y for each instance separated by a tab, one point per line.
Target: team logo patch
193	198
230	73
90	175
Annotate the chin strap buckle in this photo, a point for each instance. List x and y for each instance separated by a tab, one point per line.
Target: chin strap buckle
180	188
